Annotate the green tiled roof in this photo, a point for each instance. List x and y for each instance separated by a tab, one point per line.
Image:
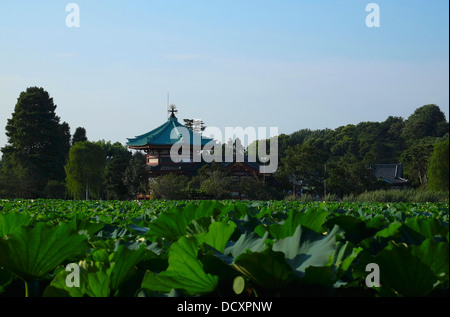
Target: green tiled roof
167	134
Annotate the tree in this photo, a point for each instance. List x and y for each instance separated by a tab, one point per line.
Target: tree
304	165
394	144
170	186
233	151
196	125
117	161
218	185
343	140
189	123
79	135
370	139
415	161
349	175
37	146
438	168
15	180
254	188
115	187
213	181
426	121
85	170
135	177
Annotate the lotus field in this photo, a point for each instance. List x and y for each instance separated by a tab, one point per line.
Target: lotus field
57	248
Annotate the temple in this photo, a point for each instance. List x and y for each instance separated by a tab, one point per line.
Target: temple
157	144
392	175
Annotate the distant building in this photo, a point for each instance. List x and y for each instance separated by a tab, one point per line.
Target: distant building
158	142
392	175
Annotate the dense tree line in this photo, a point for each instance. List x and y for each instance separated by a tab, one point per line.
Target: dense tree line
341	161
43	159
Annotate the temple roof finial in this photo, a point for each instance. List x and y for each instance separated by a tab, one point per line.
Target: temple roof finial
172	110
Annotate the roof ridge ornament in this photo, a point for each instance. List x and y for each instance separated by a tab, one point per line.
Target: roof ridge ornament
172	110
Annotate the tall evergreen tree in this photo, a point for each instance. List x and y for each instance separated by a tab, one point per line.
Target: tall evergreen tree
79	135
37	146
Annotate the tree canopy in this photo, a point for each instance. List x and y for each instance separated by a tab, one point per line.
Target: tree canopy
426	121
438	171
79	135
38	145
85	170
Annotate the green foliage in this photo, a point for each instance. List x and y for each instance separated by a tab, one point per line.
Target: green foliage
438	170
185	271
11	221
255	189
415	270
38	145
55	190
173	224
135	177
170	186
306	248
102	276
415	161
118	159
85	168
337	162
79	135
405	196
31	253
426	121
218	186
352	149
348	175
267	269
306	165
227	248
215	182
312	218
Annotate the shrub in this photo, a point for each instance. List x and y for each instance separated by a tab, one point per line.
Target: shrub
170	186
219	185
55	190
255	189
331	197
400	196
429	196
385	196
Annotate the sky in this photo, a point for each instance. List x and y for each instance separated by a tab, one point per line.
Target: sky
289	64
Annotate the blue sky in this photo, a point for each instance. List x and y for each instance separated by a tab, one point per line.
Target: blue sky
290	64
